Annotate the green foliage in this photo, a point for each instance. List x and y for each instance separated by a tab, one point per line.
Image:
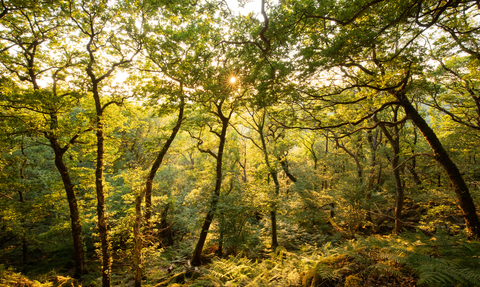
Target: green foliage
315	81
446	261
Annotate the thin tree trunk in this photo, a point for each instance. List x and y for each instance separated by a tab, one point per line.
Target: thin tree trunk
137	233
284	164
325	181
412	166
102	221
355	158
273	213
156	165
394	141
373	141
399	195
464	198
196	257
22	200
273	173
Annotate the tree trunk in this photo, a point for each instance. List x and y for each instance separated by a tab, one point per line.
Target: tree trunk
73	206
196	257
373	141
156	164
355	158
102	221
165	227
273	213
284	164
76	225
22	200
273	174
399	195
325	180
412	166
138	239
394	141
460	187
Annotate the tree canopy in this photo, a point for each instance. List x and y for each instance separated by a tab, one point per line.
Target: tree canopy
182	142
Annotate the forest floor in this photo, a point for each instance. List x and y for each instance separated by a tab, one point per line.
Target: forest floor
436	255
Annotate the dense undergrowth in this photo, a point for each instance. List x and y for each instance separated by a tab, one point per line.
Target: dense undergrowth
409	259
436	253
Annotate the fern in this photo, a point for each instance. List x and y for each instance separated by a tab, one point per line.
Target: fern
446	261
442	272
441	261
326	272
382	268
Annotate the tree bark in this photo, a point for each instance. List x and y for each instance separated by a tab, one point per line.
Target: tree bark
165	227
196	257
394	141
102	221
412	166
398	184
79	254
138	239
284	164
274	174
73	206
464	198
273	213
156	165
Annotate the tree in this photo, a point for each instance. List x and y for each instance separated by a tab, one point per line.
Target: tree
222	108
34	32
393	138
375	54
258	122
92	21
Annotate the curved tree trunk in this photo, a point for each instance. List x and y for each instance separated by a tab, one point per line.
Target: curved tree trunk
59	151
156	165
73	206
196	257
464	198
147	193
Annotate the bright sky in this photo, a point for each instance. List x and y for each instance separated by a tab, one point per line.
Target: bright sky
252	6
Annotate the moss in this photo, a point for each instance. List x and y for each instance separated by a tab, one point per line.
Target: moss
60	281
333	260
353	281
23	282
311	278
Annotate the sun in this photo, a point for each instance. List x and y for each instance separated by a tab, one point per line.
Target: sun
232	79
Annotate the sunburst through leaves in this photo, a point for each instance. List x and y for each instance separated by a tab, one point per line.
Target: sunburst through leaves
232	79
